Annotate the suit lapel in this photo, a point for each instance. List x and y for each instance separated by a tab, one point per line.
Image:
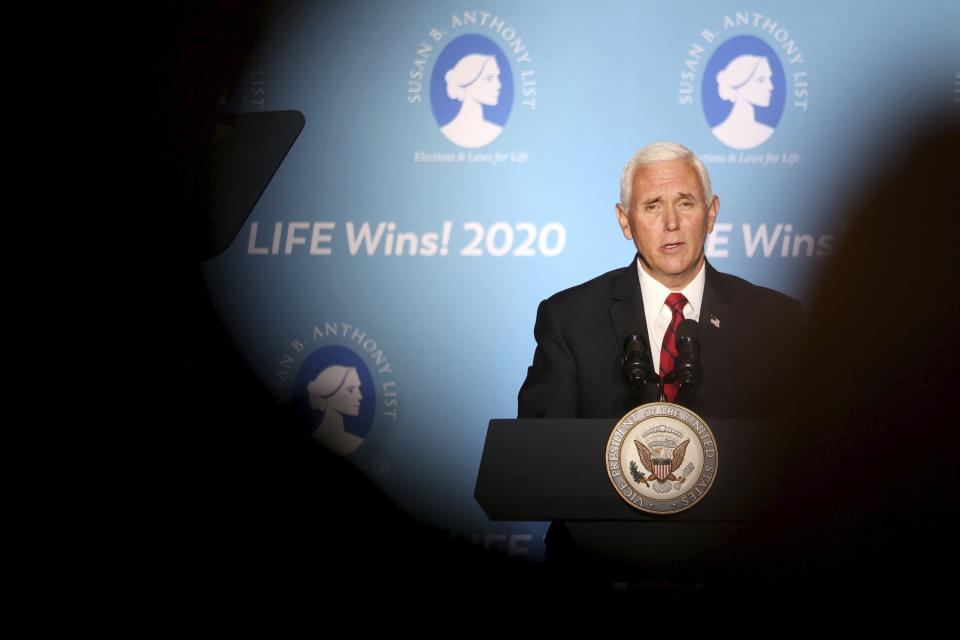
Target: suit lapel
626	307
716	314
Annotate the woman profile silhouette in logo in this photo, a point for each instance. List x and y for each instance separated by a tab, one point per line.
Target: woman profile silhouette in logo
336	392
746	82
474	81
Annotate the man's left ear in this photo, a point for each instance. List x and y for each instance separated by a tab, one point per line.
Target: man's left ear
712	213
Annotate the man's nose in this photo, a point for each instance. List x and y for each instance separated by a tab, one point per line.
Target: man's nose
670	219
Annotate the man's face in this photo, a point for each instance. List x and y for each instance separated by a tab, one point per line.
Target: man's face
668	221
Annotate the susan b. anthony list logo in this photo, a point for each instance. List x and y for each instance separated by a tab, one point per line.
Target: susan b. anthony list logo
339	379
481	70
471	91
751	73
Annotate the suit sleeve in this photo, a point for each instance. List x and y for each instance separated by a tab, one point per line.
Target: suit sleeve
782	371
790	324
550	390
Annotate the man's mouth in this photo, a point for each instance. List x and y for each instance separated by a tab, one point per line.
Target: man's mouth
671	246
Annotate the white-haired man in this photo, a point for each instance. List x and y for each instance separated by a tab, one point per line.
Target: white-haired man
747	332
748	339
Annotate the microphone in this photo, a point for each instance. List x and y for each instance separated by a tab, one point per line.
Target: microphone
687	368
635	363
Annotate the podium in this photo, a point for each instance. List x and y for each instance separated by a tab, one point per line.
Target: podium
553	470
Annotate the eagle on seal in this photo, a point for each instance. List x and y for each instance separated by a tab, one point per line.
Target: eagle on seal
662	468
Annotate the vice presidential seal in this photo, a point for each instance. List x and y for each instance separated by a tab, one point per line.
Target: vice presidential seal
661	458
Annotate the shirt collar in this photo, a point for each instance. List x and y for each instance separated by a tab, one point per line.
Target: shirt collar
655	294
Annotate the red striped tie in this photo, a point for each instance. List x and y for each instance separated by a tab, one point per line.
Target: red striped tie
668	352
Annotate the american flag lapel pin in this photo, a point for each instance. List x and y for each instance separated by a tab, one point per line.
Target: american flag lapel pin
715	321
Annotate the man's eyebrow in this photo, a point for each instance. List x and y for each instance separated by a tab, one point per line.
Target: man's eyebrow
689	196
652	200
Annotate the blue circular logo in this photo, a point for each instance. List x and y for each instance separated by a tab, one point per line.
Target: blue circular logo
744	91
471	91
334	391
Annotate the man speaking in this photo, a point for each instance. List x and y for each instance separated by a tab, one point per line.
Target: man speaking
745	338
747	334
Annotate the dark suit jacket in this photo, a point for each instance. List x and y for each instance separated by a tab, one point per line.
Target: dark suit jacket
749	336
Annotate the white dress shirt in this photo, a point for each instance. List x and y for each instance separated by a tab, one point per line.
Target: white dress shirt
658	314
